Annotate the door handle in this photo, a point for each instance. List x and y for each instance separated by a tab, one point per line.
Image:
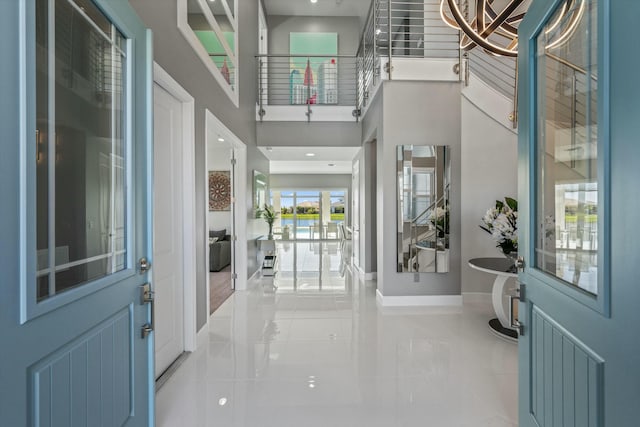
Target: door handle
147	296
519	295
144	265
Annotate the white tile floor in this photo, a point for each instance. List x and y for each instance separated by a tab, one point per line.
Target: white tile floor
307	354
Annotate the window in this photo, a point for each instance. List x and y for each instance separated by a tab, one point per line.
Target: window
81	146
210	26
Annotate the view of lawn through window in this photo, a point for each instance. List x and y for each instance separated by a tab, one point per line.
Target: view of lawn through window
309	214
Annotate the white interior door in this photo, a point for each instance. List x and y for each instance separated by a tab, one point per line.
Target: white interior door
168	229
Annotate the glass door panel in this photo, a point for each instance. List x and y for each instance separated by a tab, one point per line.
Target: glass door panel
81	153
308	222
567	172
287	214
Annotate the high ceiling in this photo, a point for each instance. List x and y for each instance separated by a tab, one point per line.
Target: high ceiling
294	160
321	8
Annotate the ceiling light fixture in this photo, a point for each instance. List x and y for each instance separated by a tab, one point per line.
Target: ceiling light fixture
314	1
489	22
310	154
221	139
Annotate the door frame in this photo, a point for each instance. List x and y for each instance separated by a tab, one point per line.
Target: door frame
213	126
168	83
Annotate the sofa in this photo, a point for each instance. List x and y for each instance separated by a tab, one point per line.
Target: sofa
219	250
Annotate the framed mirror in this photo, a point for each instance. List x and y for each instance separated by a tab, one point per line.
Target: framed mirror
260	184
423	177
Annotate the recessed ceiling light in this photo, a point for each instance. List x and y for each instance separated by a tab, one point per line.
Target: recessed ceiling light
310	154
314	1
221	139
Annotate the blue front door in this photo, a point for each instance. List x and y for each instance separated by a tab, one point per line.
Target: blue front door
75	214
578	176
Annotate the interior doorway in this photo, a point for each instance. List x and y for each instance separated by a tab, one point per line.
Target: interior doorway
226	182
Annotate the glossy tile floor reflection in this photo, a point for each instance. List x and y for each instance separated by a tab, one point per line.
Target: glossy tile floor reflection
309	354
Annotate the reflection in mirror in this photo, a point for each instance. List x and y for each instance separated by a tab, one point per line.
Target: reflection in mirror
567	149
202	23
259	191
423	173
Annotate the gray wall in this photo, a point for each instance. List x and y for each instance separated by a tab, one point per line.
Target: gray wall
347	27
372	132
173	53
314	134
421	113
489	173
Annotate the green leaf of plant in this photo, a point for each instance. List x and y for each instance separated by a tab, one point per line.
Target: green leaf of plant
512	203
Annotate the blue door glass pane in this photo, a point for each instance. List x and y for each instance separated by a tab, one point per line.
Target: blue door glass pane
567	215
81	148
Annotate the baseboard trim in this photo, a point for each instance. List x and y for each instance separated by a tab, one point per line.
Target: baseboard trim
476	296
202	336
418	300
367	276
253	278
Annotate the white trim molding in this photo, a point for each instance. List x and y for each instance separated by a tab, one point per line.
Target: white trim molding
418	300
164	80
298	113
421	69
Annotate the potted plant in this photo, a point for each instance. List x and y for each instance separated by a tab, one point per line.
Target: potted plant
269	214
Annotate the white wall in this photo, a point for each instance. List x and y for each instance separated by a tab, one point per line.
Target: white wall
219	159
489	172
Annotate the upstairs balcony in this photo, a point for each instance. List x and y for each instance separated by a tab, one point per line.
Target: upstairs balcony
401	40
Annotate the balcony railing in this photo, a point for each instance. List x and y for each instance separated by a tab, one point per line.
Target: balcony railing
306	82
402	29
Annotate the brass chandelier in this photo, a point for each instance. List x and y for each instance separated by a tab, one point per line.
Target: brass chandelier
497	31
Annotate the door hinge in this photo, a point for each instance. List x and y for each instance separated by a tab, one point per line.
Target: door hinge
234	276
233	162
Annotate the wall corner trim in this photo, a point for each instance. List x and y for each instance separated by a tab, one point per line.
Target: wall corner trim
418	300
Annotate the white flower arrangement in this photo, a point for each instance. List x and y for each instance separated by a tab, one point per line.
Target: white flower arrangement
501	222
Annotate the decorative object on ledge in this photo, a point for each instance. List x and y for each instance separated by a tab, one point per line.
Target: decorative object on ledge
269	214
219	191
497	31
501	222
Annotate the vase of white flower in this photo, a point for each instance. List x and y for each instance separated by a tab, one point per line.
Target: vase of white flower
501	222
